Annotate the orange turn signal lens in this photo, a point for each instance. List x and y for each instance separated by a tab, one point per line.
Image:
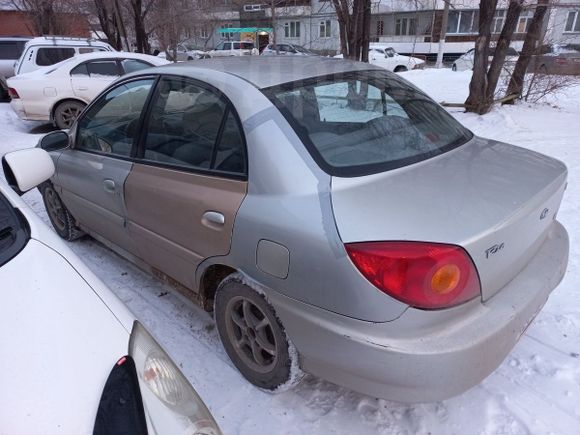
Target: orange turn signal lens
445	279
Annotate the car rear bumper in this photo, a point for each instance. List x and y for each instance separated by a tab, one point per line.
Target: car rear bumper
425	355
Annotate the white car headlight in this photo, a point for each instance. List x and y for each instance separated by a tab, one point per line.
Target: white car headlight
170	401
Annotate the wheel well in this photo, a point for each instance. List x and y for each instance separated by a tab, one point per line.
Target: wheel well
400	68
58	103
210	281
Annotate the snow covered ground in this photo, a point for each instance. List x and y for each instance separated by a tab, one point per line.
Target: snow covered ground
536	390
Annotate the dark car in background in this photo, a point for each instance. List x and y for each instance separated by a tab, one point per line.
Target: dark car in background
558	59
11	48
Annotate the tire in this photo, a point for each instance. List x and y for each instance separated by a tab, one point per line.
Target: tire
543	70
66	113
60	218
454	67
401	69
252	335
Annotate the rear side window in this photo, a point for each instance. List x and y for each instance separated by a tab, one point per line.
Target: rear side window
51	55
365	122
14	232
11	50
193	127
106	68
247	45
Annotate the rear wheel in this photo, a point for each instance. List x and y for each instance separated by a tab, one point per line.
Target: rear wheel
66	113
252	335
60	217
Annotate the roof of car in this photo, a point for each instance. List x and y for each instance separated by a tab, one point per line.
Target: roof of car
64	40
267	71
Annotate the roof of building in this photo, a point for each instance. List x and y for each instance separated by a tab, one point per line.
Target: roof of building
266	71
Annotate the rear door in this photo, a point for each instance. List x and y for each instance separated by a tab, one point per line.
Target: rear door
91	175
89	78
189	179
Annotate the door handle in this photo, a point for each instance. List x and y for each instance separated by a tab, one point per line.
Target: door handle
82	88
213	219
109	186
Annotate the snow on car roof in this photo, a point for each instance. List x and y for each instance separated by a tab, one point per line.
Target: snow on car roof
267	71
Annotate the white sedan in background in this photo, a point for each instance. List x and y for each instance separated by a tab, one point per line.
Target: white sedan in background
74	359
58	93
465	61
387	58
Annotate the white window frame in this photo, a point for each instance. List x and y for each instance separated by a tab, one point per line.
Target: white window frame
462	16
203	33
575	27
405	23
253	8
228	35
292	29
325	29
498	21
525	19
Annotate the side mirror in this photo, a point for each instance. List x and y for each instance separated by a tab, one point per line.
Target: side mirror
54	141
26	169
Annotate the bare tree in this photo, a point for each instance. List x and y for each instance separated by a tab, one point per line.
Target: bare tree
516	84
45	15
354	22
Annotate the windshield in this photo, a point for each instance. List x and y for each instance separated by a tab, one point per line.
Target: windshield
365	122
14	233
301	49
390	52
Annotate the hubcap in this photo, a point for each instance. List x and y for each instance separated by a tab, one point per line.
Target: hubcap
55	208
69	114
251	333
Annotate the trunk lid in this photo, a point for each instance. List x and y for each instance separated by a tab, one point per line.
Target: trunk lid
495	200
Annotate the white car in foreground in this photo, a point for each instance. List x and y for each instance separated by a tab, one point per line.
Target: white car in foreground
58	93
74	359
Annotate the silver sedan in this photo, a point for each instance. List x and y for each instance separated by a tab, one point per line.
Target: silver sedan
332	216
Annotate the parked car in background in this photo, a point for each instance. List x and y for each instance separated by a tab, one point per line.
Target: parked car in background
11	48
298	246
233	48
58	93
183	53
287	49
75	360
387	58
558	59
465	61
48	50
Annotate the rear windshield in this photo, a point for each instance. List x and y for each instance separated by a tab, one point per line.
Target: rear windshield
14	232
11	50
365	122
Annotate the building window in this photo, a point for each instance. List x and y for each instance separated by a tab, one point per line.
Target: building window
292	29
497	22
253	8
380	28
228	35
573	22
405	26
325	29
524	21
203	33
463	22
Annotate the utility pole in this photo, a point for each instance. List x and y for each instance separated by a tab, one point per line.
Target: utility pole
443	33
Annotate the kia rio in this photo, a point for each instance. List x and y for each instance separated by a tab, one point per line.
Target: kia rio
332	216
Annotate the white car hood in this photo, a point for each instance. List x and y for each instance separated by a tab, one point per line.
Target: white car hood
59	344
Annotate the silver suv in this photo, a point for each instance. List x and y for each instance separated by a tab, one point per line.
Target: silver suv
11	48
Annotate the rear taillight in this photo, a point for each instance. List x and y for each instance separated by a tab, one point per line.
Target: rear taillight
13	94
423	275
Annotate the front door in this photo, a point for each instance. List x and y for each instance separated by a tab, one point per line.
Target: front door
91	175
188	181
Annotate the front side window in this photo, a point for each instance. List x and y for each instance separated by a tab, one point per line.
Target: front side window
110	126
50	55
365	122
132	65
194	128
105	68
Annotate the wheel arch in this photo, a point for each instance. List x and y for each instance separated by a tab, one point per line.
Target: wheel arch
211	277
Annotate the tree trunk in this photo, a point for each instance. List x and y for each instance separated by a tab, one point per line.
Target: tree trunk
476	101
442	35
516	83
503	43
